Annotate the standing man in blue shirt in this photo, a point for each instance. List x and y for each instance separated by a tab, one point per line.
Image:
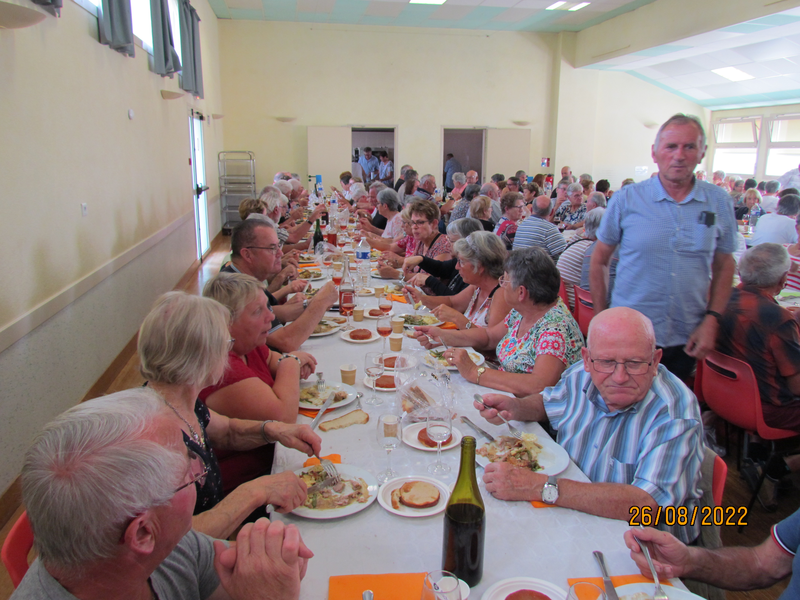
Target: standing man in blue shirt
676	236
370	164
451	166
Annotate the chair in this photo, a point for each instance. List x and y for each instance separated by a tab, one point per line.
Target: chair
562	292
718	480
584	309
731	391
16	548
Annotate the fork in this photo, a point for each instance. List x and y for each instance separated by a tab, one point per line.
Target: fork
330	470
511	429
358	400
658	594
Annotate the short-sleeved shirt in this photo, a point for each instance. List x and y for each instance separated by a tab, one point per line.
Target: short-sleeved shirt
793	279
556	334
460	210
369	165
385	171
570	265
655	444
757	330
507	230
534	231
187	573
257	366
775	229
787	535
665	252
394	227
571	217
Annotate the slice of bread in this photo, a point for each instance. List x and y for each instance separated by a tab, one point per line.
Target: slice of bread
396	499
360	334
385	382
419	494
356	417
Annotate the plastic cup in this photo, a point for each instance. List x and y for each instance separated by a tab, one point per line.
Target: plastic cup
348	374
396	342
397	324
358	313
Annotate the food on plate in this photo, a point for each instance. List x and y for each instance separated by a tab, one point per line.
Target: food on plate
356	417
348	492
389	362
424	439
414	398
520	453
311	292
527	595
636	596
438	356
307	258
339	320
325	327
308	274
360	334
310	395
419	320
375	312
385	382
415	494
366	292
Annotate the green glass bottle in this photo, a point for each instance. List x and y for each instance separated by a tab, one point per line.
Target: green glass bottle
317	234
465	522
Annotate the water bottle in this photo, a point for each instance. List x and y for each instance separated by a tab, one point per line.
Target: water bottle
362	257
755	213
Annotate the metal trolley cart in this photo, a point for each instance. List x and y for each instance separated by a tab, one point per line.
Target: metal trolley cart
237	181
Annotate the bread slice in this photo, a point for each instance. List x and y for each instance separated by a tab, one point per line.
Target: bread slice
419	494
356	417
396	499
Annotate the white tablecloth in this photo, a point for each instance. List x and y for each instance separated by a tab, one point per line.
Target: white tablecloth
547	543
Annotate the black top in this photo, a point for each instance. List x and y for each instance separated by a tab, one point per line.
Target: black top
442	270
379	221
210	494
487	225
398	184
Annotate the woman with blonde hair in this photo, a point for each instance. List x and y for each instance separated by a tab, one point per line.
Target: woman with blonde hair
481	208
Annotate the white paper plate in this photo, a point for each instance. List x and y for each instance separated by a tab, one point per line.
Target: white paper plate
369	316
345	335
553	458
411	432
434	324
431	360
321	276
367	381
672	593
385	497
351	394
348	472
503	588
331	332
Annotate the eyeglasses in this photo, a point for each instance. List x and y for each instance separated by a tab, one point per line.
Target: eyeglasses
231	342
199	478
632	367
271	249
504	279
419	223
518	206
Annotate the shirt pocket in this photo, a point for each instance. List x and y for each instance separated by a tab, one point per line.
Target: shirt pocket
621	472
698	238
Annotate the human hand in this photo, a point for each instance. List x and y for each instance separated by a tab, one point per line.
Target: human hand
285	491
459	358
506	482
297	298
418	279
428	336
291	435
297	213
447	313
447	206
494	403
290	259
414	293
387	271
317	212
308	363
393	259
703	339
288	273
671	557
364	222
298	286
327	295
268	561
411	261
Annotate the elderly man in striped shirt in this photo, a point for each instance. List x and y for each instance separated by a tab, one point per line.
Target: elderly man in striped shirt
628	423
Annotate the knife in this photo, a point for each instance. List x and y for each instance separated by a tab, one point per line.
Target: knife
322	410
318	487
611	593
477	429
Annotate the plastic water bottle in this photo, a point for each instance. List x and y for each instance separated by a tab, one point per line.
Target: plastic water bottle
362	257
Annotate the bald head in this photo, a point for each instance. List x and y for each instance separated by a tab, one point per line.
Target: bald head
542	206
625	324
472	177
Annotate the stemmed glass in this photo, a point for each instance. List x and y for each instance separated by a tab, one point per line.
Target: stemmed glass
373	367
389	433
439	427
327	261
347	304
338	271
384	329
385	304
441	585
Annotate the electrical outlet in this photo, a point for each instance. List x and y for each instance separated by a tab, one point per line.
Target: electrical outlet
84	209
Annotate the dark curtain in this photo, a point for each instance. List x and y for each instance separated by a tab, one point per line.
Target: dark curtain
165	58
116	26
192	73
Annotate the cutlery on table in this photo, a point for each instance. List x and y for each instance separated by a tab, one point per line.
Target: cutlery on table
322	410
477	429
658	594
511	429
330	469
367	595
611	593
358	400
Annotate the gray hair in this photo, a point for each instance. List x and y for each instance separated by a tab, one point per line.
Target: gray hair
772	186
539	210
789	205
274	197
584	177
295	183
284	186
533	269
598	198
487	188
377	185
471	191
184	340
592	222
483	249
425	178
574	187
390	198
479	205
357	191
719	174
764	265
234	291
463	227
460	178
682	119
403	170
90	471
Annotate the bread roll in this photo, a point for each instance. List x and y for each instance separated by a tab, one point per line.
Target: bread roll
360	334
356	417
419	494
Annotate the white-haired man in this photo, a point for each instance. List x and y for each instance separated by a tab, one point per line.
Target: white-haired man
109	487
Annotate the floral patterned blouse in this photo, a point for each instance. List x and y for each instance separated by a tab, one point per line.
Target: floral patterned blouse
556	333
567	216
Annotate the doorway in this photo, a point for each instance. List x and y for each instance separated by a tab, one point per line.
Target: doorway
466	146
199	182
379	139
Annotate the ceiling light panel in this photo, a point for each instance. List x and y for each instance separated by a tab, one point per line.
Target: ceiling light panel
732	73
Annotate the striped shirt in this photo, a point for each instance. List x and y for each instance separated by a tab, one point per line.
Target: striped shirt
570	264
786	535
656	444
665	252
534	231
793	279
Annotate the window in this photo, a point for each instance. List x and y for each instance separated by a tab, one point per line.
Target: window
780	160
736	151
174	22
739	161
741	132
142	25
785	130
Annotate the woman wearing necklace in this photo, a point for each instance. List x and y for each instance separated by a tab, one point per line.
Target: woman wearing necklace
183	346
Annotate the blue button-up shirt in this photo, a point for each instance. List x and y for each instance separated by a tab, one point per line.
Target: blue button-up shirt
369	165
655	444
665	252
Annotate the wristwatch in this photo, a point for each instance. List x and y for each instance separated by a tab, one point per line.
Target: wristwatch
468	325
481	371
550	490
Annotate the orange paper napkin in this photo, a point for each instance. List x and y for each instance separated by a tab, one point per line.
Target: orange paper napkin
307	412
448	325
334	458
537	504
617	580
397	298
307	265
388	586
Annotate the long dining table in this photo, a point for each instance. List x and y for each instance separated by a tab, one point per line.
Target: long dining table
549	543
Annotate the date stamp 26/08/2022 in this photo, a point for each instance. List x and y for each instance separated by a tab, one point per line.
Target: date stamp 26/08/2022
647	516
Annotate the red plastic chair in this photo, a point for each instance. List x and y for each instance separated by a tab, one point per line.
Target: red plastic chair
584	309
16	548
731	391
718	480
562	292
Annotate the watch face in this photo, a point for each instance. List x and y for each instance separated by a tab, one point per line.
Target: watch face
550	493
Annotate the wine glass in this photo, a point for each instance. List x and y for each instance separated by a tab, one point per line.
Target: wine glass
389	434
327	261
583	590
347	304
373	367
338	270
439	426
384	328
441	585
385	304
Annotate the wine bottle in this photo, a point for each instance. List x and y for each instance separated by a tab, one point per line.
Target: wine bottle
317	235
465	522
347	279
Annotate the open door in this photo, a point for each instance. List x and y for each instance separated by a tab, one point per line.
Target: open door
329	152
507	151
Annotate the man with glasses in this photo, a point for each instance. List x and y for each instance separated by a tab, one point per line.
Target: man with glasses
108	487
629	424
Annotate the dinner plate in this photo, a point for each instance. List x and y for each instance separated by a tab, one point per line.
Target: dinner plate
433	324
412	360
377	275
672	593
307	258
346	471
369	316
351	394
367	381
503	588
430	360
411	432
345	335
385	497
553	458
337	327
366	292
318	278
